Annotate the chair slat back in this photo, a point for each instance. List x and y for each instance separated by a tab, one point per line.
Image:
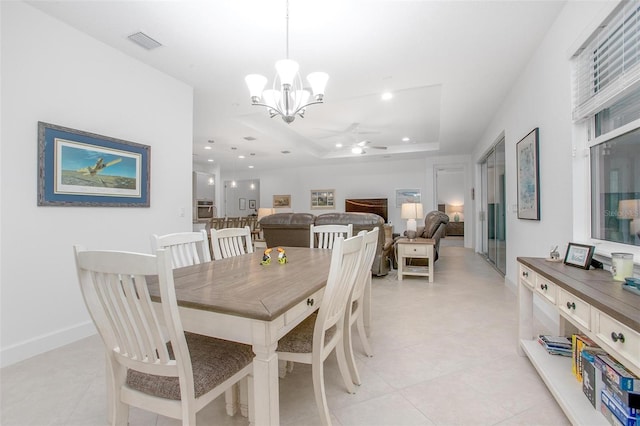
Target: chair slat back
231	242
345	263
364	273
324	236
233	222
115	291
186	248
217	222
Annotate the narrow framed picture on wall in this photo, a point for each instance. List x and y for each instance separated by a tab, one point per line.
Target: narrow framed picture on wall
527	164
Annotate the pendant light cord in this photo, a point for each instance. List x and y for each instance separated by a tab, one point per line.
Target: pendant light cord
287	19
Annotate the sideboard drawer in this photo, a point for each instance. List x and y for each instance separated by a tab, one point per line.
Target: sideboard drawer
617	336
546	289
574	308
527	276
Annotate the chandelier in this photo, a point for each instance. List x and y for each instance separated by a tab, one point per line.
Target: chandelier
288	97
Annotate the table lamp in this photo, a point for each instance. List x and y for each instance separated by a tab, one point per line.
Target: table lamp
411	212
455	212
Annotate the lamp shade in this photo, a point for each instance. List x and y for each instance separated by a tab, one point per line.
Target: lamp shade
264	211
411	211
287	70
256	83
629	209
318	82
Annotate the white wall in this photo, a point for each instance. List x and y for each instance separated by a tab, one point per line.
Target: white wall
541	97
55	74
378	179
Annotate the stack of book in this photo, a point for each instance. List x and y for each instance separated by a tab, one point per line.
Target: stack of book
620	395
556	345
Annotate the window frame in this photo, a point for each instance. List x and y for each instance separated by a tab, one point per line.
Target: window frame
604	248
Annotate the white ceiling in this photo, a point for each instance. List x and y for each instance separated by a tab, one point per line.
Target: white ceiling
449	64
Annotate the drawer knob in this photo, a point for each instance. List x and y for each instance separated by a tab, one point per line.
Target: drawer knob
525	274
543	287
310	302
571	305
617	336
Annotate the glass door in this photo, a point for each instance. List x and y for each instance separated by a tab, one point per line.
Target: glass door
493	202
500	209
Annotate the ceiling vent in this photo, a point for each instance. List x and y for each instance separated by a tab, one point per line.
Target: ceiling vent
249	138
143	40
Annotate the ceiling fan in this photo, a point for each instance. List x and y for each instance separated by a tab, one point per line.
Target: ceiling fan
359	148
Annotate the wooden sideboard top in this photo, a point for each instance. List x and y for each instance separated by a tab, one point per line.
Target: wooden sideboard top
594	286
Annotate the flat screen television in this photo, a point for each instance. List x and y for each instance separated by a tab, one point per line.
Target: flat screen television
367	205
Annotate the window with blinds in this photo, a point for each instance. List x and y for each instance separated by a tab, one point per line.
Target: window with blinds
607	68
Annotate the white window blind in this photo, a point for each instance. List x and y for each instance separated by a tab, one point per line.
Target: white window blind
609	64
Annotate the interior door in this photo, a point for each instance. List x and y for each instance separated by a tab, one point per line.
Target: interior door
493	201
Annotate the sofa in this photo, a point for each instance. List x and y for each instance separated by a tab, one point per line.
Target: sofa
292	230
435	224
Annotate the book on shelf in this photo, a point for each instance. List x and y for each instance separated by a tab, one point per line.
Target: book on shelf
629	399
617	373
556	341
611	418
592	383
556	345
578	343
618	411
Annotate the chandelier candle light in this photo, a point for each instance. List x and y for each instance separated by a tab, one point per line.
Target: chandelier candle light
288	97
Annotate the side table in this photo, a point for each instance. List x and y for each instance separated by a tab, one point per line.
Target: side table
420	248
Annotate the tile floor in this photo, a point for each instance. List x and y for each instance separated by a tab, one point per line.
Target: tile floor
445	354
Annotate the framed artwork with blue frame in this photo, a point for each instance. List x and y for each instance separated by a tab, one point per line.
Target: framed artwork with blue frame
78	168
528	166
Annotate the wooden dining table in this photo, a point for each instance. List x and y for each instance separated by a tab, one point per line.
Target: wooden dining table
241	300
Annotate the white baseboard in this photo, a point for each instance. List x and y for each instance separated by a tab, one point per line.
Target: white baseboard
41	344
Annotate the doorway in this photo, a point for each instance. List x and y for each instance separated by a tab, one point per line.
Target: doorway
492	216
241	197
450	199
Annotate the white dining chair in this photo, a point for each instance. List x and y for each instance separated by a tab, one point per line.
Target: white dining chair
152	363
354	313
192	248
231	242
186	248
323	236
321	333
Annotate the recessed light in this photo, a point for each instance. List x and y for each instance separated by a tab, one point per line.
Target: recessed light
338	145
405	139
207	147
240	156
210	160
251	167
386	96
356	150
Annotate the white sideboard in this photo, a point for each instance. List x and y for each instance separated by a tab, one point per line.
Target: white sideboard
586	301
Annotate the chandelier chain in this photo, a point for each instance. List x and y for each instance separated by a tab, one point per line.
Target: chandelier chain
287	18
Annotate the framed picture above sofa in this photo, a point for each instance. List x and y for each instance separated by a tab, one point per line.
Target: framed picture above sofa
322	199
282	201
